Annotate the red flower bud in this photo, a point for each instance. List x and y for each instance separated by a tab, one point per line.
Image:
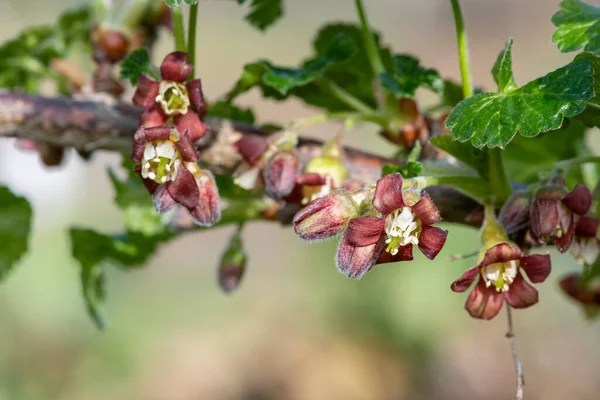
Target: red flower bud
514	214
280	174
326	216
208	210
232	265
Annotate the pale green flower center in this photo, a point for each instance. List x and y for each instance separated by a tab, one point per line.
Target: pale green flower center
161	161
173	98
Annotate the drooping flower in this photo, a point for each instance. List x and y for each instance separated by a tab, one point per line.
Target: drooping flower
170	173
586	243
406	221
500	278
172	97
553	211
269	163
585	292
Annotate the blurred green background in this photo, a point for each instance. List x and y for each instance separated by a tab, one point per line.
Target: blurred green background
296	329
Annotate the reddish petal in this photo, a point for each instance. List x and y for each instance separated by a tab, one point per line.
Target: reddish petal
176	67
184	188
388	194
574	287
432	240
426	211
354	261
520	293
537	267
163	201
564	242
465	281
544	217
139	143
208	210
404	254
310	179
587	227
484	302
158	133
280	174
190	122
579	200
325	217
153	116
187	149
196	96
145	92
515	212
500	253
363	231
251	148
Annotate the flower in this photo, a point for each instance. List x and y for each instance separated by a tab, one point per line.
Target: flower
172	97
500	279
406	221
324	173
170	173
552	213
585	293
232	265
586	244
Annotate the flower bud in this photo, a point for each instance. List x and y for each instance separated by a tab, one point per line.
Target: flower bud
514	214
280	174
326	216
112	44
232	264
208	210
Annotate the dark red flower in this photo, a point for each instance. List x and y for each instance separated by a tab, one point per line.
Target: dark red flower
406	221
585	293
553	211
169	171
500	279
172	97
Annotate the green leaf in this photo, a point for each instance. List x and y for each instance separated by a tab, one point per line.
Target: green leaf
15	224
225	110
578	25
410	169
137	63
465	153
502	70
493	119
264	13
191	2
173	3
408	76
591	115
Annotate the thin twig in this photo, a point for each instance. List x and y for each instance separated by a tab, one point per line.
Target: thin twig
515	353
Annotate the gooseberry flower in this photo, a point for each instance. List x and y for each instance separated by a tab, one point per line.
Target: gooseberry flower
553	211
170	173
172	97
405	222
585	293
500	278
586	244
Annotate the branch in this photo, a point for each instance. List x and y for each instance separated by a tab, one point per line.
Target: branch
513	344
88	126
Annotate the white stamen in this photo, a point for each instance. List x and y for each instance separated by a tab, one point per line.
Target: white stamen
401	228
151	175
507	271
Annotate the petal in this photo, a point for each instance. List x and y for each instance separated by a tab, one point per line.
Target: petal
191	123
515	212
176	67
564	242
388	194
537	267
310	179
587	227
426	211
153	116
184	188
163	201
465	281
500	253
484	302
145	92
325	217
208	210
579	200
251	148
148	183
280	174
544	217
573	286
363	231
187	149
432	240
404	254
158	133
521	294
354	261
196	96
139	145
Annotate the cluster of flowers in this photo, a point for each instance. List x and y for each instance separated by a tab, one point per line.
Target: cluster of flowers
163	146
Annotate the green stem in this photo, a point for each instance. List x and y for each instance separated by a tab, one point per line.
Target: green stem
370	45
463	49
345	97
192	36
498	179
178	29
336	116
574	162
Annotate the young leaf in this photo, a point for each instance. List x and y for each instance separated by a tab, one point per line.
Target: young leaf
263	13
15	224
493	119
408	76
410	169
465	153
502	70
578	25
137	63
